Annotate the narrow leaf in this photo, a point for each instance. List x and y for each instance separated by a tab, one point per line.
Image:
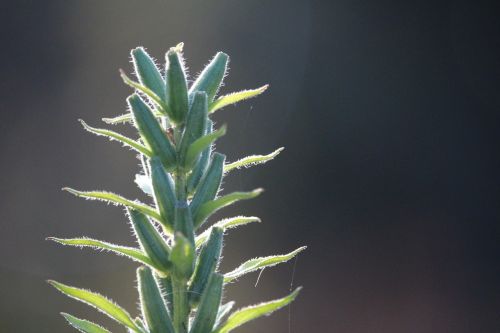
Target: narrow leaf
202	163
176	92
201	144
99	302
247	314
126	118
143	89
223	311
209	184
154	310
225	224
211	207
207	264
147	72
210	301
258	263
118	137
151	132
235	97
116	200
132	253
83	325
211	77
252	160
150	240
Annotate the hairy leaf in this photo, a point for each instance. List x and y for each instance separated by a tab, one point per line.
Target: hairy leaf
258	263
212	206
99	302
247	314
235	97
83	325
225	224
118	137
145	90
252	160
201	144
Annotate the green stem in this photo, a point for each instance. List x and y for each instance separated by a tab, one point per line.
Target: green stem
181	306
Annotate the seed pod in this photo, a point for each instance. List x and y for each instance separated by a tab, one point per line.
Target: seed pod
211	77
208	261
164	192
182	258
153	308
176	88
151	132
202	164
150	240
184	221
206	316
147	72
165	284
195	123
209	184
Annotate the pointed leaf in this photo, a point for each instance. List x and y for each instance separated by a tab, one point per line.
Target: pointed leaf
223	311
99	302
202	163
132	253
211	77
150	240
212	206
252	160
247	314
235	97
258	263
154	310
83	325
118	137
225	224
145	90
151	132
176	92
116	200
207	264
200	144
126	118
147	72
210	301
209	184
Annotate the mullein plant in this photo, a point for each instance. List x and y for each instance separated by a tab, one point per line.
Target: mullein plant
179	283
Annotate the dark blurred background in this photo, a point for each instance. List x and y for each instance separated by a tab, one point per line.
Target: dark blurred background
389	112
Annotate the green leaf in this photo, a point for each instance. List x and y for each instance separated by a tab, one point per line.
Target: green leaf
164	192
83	325
247	314
211	77
118	137
225	224
210	183
151	132
195	124
201	144
116	200
210	301
235	97
150	240
182	257
208	260
176	92
147	72
259	263
252	160
202	163
223	311
127	117
99	302
212	206
132	253
154	310
145	90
